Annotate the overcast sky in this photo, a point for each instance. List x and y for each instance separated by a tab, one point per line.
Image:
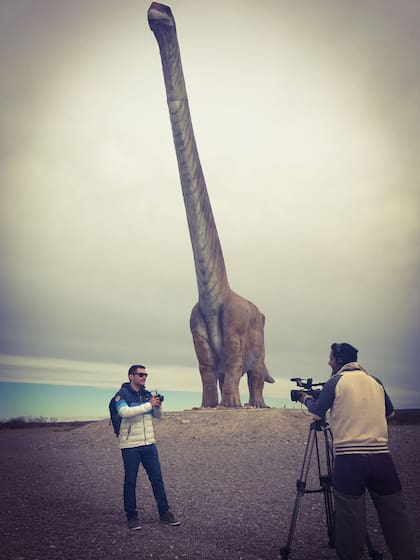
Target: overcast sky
306	117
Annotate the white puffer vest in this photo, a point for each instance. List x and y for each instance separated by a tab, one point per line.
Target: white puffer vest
137	420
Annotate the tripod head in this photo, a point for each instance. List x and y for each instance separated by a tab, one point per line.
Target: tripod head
320	425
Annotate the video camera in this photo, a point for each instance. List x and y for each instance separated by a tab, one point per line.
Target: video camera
306	387
158	395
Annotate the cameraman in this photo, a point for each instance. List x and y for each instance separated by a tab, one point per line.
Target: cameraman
136	406
359	407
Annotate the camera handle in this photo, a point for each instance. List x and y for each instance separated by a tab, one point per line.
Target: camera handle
325	481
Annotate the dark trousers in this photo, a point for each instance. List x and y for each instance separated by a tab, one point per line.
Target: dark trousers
353	474
148	456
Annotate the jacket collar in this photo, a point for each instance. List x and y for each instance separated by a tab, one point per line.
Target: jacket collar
351	366
128	387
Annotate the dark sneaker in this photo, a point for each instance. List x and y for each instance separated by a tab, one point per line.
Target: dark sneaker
133	524
169	519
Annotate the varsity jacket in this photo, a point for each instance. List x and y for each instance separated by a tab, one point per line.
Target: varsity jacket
359	407
136	413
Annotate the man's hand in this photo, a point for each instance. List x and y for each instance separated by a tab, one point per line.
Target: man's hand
155	401
302	397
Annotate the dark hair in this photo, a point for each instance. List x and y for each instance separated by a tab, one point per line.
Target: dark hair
344	353
132	369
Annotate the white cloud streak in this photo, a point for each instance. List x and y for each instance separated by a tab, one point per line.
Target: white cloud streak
32	369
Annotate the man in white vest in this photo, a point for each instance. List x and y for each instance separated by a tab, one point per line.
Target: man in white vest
137	407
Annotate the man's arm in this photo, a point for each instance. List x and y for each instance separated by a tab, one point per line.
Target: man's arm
389	407
126	411
325	400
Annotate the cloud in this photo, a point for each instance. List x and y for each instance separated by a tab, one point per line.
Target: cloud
308	136
32	369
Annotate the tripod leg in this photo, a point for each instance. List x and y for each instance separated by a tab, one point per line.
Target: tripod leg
329	514
374	554
326	485
300	490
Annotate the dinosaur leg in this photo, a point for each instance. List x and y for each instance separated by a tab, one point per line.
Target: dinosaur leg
255	386
230	392
210	396
205	359
233	371
207	372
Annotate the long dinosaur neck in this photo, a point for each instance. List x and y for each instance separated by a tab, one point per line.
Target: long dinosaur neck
208	257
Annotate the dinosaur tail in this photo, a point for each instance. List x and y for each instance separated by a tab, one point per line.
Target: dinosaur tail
268	378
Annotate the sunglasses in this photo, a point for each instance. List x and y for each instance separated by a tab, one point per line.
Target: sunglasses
141	374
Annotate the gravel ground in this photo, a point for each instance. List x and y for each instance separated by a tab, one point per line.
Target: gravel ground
230	477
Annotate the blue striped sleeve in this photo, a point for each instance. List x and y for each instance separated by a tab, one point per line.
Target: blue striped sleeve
122	402
325	400
389	407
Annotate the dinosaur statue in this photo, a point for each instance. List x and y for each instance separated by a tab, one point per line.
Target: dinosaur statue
227	330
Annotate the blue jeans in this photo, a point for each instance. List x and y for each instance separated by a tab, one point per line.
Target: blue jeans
148	456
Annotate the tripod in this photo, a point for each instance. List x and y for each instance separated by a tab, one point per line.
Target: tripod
325	481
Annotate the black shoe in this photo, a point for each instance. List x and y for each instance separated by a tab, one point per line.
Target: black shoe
133	524
169	519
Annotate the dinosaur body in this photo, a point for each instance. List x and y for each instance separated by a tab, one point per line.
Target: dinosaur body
227	330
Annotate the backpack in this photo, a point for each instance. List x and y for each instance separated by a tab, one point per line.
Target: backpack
114	417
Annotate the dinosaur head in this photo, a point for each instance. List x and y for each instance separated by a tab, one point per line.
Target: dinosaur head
160	15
